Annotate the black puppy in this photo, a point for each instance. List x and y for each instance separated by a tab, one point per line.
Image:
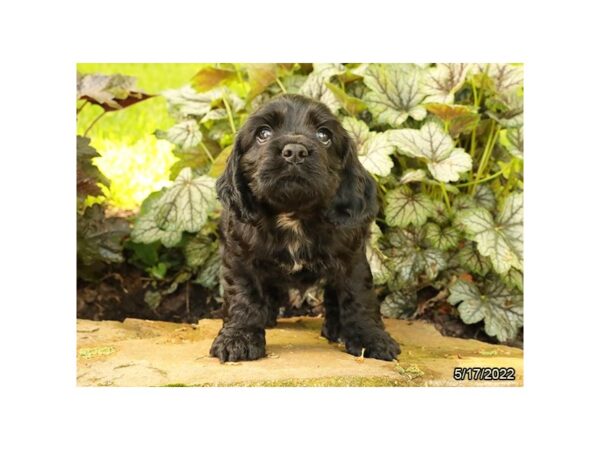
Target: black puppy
297	209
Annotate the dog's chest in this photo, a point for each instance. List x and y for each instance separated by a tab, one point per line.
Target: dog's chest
297	245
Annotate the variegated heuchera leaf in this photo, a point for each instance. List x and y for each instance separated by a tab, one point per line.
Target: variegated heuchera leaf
505	77
512	141
444	161
403	207
315	86
441	238
374	149
500	239
185	134
395	92
473	261
484	197
399	304
409	261
376	258
498	307
182	207
413	176
441	82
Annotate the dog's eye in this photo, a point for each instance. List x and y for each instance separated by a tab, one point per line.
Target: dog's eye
263	134
324	135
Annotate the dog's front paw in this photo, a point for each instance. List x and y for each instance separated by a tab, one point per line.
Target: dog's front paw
331	330
377	343
234	344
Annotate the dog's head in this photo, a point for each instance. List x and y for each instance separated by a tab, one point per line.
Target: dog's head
293	155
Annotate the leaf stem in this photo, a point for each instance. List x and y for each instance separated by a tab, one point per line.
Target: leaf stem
483	180
212	160
85	102
93	123
445	194
229	115
493	135
280	84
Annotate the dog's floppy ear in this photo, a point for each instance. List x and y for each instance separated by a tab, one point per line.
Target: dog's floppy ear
355	202
232	189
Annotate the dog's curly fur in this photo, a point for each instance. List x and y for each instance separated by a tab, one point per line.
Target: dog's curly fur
293	221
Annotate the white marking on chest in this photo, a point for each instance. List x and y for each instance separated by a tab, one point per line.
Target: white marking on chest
295	237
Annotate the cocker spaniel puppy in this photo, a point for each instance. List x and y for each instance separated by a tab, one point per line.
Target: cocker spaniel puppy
297	209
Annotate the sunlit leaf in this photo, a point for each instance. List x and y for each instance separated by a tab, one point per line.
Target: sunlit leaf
395	93
220	162
412	176
353	105
260	76
374	149
182	207
441	82
458	118
209	77
186	101
111	92
315	85
185	134
512	141
403	207
500	239
88	175
444	161
500	309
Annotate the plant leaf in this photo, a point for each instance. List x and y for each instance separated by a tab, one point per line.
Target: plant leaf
473	261
374	149
182	207
88	175
260	76
441	238
187	202
395	93
353	105
377	260
100	238
209	275
186	101
444	161
499	308
512	141
459	118
198	250
209	77
484	197
403	207
443	81
111	92
399	304
185	134
412	176
315	86
500	239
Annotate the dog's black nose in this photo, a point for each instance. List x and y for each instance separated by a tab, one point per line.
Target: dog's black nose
294	153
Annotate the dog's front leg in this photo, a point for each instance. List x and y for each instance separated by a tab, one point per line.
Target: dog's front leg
246	315
361	327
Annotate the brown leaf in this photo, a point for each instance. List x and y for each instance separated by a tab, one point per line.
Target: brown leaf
111	92
211	77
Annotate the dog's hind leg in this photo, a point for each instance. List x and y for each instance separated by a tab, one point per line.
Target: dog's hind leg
331	326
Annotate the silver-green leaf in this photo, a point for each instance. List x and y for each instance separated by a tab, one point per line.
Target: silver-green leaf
499	308
443	81
395	92
403	207
374	149
500	239
435	146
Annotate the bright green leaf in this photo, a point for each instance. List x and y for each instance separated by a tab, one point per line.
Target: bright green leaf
512	141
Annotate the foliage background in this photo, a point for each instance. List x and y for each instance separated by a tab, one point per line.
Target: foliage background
444	142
